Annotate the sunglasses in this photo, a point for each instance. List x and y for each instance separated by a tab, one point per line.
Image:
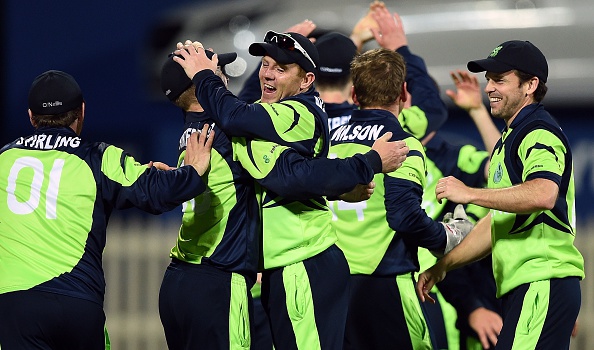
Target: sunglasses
284	41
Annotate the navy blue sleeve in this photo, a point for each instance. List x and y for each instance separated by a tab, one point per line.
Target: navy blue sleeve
157	191
424	90
251	90
296	177
408	219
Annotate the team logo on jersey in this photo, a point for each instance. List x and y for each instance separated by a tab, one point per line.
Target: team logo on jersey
498	174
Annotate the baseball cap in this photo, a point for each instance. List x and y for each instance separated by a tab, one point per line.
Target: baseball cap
336	51
174	79
288	48
54	92
514	54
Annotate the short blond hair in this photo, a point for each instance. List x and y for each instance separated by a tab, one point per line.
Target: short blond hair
378	76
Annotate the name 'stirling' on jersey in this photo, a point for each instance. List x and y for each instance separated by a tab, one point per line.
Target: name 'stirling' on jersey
43	141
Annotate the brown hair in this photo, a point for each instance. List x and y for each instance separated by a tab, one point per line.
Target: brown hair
185	100
56	120
188	97
378	76
541	89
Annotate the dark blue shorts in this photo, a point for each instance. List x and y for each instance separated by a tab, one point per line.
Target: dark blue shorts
261	338
203	307
32	319
307	302
540	315
385	313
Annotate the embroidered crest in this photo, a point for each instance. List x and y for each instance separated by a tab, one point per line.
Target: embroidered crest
498	174
495	51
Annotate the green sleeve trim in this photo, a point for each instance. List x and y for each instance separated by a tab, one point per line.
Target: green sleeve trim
414	168
541	150
470	159
121	167
414	121
286	115
258	157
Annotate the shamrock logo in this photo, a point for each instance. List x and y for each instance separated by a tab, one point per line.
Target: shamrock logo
495	51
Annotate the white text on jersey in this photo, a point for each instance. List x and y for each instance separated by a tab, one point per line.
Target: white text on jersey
43	141
359	132
183	140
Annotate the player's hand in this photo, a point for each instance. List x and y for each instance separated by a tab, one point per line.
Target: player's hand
193	58
468	91
189	42
390	33
428	279
454	190
487	325
159	165
198	149
393	153
361	32
304	28
359	193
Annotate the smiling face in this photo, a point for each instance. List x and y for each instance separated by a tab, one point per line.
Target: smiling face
279	81
507	96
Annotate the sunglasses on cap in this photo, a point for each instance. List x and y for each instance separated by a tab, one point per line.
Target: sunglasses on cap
284	41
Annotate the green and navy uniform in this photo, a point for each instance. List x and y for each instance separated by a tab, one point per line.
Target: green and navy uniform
281	169
464	162
305	276
380	237
57	193
536	266
471	286
215	258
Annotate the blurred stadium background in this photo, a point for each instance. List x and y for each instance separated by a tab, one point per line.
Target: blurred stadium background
115	49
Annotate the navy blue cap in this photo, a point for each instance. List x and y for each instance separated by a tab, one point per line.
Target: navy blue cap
336	52
287	56
174	80
515	54
54	92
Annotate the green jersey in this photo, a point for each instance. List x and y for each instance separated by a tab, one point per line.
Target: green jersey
536	246
220	227
380	236
293	230
56	195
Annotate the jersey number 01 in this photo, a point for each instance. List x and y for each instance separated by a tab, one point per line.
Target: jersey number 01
31	204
